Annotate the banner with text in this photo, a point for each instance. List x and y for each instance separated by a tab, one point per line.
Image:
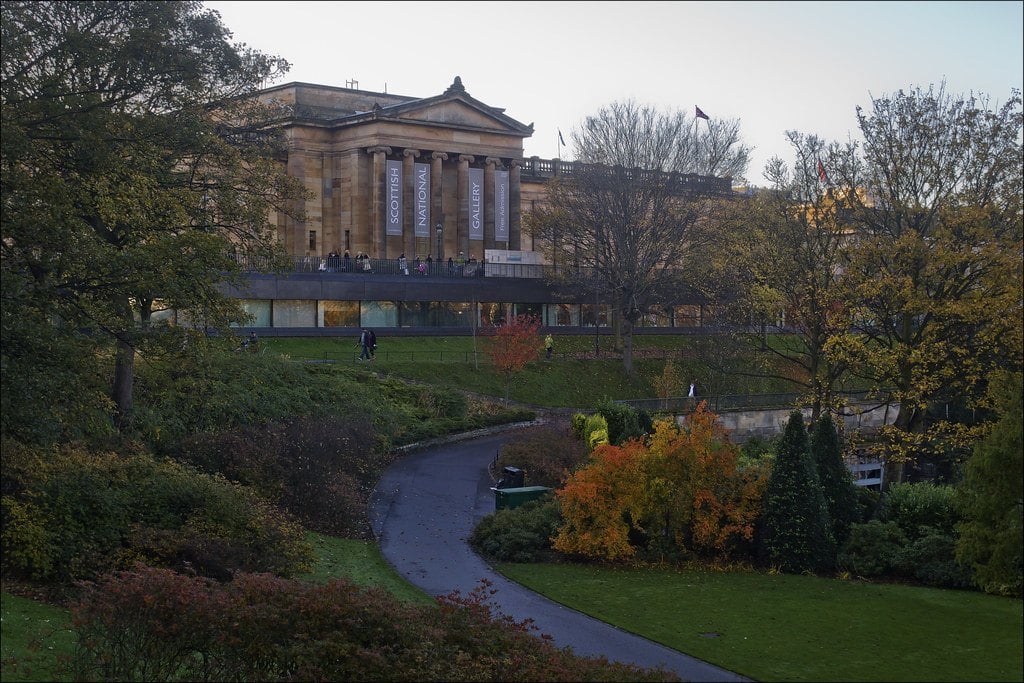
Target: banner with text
501	206
421	199
393	199
476	203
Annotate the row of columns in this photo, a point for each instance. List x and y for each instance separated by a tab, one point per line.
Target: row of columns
453	222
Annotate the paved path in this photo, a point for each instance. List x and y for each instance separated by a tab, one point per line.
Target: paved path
423	512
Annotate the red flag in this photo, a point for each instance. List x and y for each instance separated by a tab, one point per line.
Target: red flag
822	176
701	115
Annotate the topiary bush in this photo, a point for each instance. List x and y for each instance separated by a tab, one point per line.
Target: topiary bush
836	481
521	534
795	530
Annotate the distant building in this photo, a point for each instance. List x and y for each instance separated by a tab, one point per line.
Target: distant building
438	177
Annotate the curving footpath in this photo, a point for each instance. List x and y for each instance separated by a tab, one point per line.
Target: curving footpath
423	511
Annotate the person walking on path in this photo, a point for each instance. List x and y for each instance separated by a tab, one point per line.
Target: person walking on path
549	345
373	344
403	264
364	342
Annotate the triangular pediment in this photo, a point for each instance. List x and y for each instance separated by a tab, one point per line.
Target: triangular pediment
453	113
455	107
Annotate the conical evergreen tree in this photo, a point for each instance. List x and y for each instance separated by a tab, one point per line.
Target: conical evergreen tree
836	480
795	528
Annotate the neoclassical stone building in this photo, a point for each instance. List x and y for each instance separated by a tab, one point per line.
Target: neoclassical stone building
385	171
439	178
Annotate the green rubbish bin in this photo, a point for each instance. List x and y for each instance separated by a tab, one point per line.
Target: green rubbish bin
506	499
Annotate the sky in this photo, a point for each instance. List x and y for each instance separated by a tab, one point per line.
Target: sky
774	66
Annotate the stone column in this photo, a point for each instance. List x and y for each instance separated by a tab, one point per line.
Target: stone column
436	199
378	196
490	165
515	210
409	199
462	232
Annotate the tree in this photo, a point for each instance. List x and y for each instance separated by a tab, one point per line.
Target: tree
512	345
625	218
835	478
133	160
795	533
792	265
933	271
990	538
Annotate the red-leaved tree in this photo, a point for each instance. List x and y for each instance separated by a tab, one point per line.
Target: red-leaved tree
512	345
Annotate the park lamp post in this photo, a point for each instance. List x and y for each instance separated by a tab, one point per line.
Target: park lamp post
439	228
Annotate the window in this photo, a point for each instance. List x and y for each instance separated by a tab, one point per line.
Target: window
312	241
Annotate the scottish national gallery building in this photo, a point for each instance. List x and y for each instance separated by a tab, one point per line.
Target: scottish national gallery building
414	221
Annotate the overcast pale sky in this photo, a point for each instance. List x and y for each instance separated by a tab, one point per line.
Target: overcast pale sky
775	66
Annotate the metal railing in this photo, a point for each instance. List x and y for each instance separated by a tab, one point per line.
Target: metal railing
730	402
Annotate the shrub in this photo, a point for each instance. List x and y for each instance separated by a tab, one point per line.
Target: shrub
867	502
991	535
795	532
920	504
836	480
547	454
319	468
75	514
522	534
443	402
595	431
871	548
152	624
931	560
577	422
624	422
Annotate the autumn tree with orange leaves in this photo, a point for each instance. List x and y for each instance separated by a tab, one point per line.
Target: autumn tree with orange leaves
680	492
512	345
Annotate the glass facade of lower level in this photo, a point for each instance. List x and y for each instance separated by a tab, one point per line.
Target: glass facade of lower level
311	313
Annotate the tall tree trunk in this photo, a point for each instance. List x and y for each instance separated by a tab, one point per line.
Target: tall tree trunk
124	382
627	346
123	389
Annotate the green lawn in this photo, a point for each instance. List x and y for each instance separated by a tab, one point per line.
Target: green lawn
799	628
361	562
36	641
37	638
565	381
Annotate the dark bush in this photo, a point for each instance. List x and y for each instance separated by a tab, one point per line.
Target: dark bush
871	548
153	624
75	514
795	531
867	501
319	468
521	534
547	454
931	560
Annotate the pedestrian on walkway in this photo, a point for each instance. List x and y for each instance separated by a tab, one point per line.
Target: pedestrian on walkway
364	342
373	344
